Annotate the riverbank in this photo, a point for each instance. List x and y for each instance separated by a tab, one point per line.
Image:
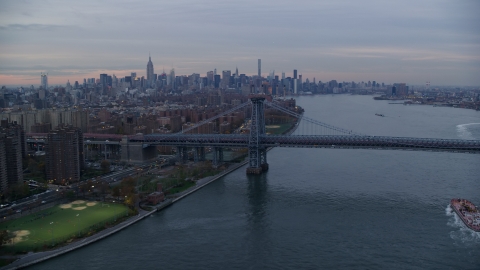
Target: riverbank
34	258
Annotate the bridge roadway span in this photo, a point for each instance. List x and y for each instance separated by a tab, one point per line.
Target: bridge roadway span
312	141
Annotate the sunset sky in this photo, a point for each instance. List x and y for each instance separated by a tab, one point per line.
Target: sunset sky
410	41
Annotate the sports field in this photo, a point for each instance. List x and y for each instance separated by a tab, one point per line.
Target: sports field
61	223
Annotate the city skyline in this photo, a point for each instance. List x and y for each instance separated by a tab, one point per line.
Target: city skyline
345	41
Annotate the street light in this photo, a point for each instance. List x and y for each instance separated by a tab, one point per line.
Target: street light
87	144
78	222
51	223
106	141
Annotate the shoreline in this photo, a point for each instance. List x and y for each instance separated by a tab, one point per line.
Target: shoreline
34	258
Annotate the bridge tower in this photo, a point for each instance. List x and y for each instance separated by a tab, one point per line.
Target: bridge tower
182	154
199	154
217	156
256	152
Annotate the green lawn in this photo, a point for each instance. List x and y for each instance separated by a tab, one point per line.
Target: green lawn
278	129
184	186
61	223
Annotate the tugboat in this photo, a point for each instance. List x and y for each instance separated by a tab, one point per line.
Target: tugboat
379	114
468	213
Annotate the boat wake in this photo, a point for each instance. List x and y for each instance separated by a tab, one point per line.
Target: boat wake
470	131
461	233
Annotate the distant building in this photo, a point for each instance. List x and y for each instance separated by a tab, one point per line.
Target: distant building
226	78
175	123
103	79
216	81
64	155
41	128
259	67
44	81
150	73
401	89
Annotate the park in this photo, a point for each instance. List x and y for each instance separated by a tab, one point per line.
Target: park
61	224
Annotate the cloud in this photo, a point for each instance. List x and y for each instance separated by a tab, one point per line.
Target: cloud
35	27
321	37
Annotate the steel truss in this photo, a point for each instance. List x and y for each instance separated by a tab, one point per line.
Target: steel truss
314	141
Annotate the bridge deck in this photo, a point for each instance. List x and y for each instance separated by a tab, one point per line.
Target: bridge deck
336	141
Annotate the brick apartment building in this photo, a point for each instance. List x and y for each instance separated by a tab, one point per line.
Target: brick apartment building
12	150
64	157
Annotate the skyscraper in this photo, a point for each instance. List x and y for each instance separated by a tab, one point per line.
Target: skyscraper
295	74
44	80
259	67
226	78
172	78
150	71
103	79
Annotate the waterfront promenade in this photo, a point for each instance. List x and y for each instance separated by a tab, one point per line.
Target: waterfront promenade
33	258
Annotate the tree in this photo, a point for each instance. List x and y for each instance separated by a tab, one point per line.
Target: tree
89	185
17	191
32	165
116	192
103	188
105	165
4	237
70	195
41	166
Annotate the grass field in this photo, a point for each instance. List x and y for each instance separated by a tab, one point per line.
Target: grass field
60	223
278	129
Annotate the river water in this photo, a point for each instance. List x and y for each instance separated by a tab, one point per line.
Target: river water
319	208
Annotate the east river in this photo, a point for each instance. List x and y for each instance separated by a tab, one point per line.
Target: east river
319	208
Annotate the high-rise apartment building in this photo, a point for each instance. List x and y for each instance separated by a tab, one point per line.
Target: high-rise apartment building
64	157
44	80
12	147
3	164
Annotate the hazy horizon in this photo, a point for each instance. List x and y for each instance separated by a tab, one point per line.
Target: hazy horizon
409	41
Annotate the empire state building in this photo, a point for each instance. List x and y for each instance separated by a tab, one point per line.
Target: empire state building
150	76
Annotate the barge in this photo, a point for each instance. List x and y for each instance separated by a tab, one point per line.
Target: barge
468	213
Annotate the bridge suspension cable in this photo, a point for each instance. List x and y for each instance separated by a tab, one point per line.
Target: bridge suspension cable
313	121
